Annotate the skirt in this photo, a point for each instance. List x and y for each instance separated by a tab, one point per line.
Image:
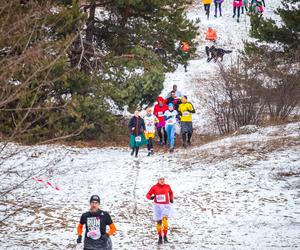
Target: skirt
186	127
162	210
137	140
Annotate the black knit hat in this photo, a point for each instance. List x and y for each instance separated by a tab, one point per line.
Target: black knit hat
95	198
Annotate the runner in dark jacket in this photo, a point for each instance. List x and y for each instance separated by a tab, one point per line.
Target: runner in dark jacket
137	138
174	100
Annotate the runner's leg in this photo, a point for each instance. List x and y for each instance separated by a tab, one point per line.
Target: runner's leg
172	134
137	151
159	132
165	135
165	225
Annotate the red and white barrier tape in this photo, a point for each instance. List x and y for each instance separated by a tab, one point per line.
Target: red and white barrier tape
47	182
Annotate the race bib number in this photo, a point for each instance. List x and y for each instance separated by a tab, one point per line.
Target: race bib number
94	234
161	198
186	113
160	114
138	139
170	121
150	124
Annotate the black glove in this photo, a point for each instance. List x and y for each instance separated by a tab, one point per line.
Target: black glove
79	239
152	197
104	236
171	201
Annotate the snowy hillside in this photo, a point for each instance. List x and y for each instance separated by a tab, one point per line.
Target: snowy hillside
241	192
238	192
231	37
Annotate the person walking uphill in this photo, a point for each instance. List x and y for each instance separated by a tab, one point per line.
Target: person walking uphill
186	109
159	110
162	195
207	4
171	117
150	121
96	221
137	137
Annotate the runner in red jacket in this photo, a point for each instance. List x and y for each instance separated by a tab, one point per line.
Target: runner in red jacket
162	195
159	110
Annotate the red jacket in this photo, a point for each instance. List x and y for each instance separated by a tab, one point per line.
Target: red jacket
163	194
159	112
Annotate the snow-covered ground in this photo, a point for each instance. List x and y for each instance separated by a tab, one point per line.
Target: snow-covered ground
232	36
240	192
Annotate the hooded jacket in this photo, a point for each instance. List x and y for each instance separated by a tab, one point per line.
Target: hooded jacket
159	111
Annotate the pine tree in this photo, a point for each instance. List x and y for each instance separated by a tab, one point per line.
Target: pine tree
64	62
119	41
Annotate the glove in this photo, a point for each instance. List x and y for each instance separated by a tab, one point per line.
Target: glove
171	201
104	236
152	197
79	239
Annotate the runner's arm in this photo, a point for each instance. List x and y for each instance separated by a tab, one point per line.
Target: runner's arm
192	110
131	124
79	229
150	193
112	229
171	194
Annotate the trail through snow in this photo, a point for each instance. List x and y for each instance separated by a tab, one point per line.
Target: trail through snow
232	36
241	192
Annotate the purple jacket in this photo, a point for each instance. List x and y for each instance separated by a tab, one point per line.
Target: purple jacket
218	1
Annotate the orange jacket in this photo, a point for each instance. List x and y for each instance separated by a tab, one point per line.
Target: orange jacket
211	35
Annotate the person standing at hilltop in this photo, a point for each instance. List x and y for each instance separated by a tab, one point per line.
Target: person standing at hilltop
237	5
218	5
207	4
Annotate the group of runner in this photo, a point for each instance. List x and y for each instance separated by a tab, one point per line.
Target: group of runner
171	116
251	7
96	220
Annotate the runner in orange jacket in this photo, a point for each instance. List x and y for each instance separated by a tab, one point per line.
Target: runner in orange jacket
211	35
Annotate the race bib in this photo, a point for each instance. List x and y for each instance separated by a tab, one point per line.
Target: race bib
186	113
138	139
161	198
160	114
94	234
170	121
150	124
